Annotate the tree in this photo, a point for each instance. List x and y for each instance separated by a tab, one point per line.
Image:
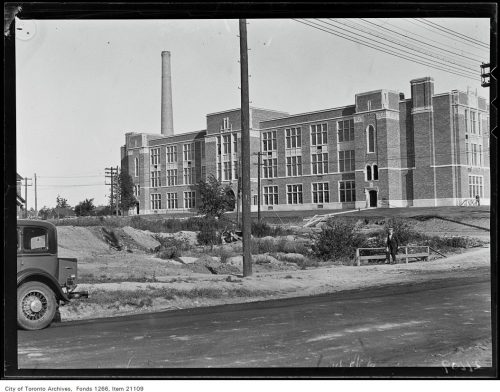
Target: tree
85	208
61	202
216	198
125	192
45	213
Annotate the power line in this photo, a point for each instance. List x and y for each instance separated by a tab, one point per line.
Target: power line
470	41
359	41
423	42
462	51
441	62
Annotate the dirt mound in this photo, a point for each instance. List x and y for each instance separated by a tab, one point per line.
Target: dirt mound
143	238
80	242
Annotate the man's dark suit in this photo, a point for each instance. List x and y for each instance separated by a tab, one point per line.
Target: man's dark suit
392	245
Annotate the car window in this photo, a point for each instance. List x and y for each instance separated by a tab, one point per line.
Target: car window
35	239
18	240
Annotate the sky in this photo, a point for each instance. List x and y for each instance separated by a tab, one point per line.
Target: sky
82	84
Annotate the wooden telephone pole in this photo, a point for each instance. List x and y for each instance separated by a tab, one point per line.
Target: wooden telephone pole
245	152
112	174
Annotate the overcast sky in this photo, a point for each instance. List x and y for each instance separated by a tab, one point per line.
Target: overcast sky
81	85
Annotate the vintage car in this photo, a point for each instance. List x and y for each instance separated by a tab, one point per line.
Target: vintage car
44	280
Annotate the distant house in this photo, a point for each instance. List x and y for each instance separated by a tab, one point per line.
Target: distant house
21	203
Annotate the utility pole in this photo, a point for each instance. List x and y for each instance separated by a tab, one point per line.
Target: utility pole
36	198
245	152
26	179
111	174
259	165
117	191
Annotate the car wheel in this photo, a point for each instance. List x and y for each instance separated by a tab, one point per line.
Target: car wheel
36	305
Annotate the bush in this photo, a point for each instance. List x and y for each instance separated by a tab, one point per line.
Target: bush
208	234
262	229
402	230
338	239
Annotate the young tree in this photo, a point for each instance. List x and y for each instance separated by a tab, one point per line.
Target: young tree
61	202
125	192
216	198
85	208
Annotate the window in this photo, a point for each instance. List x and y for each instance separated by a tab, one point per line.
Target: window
236	169
136	167
35	239
320	192
270	195
171	154
479	125
475	186
466	119
269	141
368	173
345	130
172	200
347	191
202	149
226	143
293	137
370	138
467	154
188	175
346	161
294	194
137	190
227	170
225	124
219	170
219	146
155	156
473	122
235	143
474	154
270	167
480	161
375	172
155	201
294	166
187	152
189	199
319	163
172	177
318	134
203	173
155	178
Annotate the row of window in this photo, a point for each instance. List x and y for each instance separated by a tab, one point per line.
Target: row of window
187	172
475	186
320	193
171	155
319	136
319	164
474	154
472	121
171	200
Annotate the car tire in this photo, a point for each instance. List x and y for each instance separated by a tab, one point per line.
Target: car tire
36	305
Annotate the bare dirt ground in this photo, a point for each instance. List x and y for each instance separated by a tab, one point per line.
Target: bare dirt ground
134	280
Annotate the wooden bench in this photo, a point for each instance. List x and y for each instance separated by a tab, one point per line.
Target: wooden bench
423	255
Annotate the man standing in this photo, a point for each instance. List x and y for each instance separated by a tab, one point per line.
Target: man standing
392	246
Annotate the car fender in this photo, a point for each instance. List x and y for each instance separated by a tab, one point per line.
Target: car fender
31	274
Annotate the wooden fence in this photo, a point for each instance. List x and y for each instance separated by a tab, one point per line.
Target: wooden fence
382	254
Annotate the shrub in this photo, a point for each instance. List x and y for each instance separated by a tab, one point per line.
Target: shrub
262	229
208	234
403	230
338	239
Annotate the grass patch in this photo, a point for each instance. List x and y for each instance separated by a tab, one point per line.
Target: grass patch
145	297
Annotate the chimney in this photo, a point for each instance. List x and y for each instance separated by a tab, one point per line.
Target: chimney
167	118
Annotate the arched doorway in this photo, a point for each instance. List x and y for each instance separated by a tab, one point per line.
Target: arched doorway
372	195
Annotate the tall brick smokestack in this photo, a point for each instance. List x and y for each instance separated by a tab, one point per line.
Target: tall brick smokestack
167	117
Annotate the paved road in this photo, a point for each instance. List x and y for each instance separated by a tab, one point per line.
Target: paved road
410	325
